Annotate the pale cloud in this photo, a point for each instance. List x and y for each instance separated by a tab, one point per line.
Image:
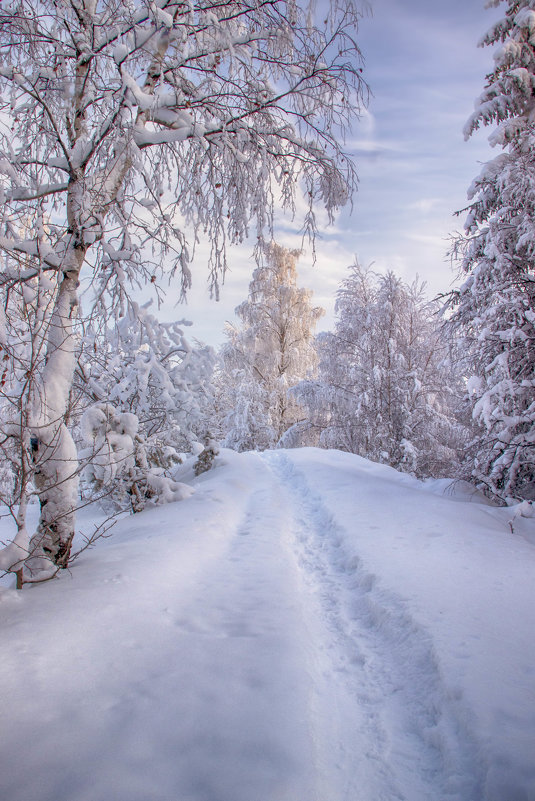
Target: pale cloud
369	148
426	239
367	123
424	205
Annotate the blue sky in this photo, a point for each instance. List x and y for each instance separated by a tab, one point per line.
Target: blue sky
425	71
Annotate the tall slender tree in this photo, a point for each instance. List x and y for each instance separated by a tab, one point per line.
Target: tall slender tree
495	306
268	354
122	123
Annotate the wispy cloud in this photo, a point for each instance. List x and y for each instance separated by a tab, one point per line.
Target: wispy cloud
424	205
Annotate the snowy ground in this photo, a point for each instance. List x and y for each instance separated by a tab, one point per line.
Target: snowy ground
308	626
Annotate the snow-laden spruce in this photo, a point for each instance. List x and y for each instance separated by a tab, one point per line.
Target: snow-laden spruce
124	123
386	389
268	354
495	307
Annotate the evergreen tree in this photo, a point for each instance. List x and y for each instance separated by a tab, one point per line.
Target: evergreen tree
268	354
385	389
494	308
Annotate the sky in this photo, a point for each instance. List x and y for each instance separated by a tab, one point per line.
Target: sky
425	71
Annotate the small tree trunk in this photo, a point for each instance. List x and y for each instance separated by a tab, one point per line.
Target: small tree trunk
20	580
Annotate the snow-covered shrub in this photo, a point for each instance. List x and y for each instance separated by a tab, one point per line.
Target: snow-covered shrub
148	396
205	460
121	466
109	437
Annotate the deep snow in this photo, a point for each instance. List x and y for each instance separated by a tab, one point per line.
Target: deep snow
308	626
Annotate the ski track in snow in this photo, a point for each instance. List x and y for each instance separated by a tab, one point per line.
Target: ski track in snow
391	697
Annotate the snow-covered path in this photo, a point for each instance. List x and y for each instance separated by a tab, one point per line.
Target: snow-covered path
289	633
380	666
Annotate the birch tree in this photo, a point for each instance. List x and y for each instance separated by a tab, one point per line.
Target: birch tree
494	309
125	125
268	354
386	389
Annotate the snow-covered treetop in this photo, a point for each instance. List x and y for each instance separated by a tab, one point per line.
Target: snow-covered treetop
508	98
117	115
278	317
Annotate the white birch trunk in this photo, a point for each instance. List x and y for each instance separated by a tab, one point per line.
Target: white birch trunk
55	453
